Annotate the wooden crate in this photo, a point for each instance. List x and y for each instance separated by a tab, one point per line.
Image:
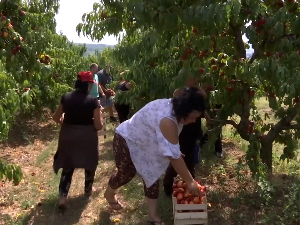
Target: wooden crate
185	218
103	131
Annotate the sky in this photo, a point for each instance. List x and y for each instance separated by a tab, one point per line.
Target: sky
70	14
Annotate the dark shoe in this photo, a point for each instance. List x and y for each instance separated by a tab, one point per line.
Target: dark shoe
62	204
87	194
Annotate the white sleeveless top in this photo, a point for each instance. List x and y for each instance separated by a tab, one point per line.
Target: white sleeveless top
148	147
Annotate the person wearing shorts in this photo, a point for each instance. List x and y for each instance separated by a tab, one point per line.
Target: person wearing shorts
106	99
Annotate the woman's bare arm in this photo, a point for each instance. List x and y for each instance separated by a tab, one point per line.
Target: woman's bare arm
58	114
101	91
177	92
170	131
97	119
128	85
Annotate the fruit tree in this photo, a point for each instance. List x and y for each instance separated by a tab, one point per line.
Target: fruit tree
36	65
168	40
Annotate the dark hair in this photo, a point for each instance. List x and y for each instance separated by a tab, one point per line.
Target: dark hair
81	86
187	102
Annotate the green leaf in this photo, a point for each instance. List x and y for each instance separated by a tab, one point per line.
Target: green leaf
9	173
236	8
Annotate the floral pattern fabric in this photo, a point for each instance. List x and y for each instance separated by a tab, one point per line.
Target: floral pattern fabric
147	146
126	170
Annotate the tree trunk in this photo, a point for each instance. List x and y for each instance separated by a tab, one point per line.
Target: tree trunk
266	154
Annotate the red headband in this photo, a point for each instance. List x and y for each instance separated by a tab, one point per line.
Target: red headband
86	76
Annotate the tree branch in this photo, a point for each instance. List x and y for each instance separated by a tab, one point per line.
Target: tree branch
247	11
284	123
282	36
214	129
225	122
238	39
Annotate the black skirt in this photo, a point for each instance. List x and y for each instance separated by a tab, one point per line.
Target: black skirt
78	147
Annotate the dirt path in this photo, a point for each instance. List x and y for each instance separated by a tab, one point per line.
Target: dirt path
232	193
34	200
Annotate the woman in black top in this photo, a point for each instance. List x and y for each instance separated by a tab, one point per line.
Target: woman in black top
188	138
79	115
121	108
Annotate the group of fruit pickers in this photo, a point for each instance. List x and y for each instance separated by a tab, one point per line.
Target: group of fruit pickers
181	193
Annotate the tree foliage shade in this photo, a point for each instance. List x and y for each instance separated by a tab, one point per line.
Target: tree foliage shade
167	41
37	65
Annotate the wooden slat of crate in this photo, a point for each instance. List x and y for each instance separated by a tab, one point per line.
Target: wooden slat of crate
190	215
191	207
190	222
186	218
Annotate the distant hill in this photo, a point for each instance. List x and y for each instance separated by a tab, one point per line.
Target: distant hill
92	47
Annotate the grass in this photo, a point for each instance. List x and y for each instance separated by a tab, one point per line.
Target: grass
234	196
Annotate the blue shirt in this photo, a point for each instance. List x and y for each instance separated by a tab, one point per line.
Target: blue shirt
104	78
95	89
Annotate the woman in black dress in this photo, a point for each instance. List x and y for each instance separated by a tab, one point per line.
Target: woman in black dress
79	115
121	108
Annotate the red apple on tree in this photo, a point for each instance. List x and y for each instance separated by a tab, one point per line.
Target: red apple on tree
188	51
271	95
22	13
214	67
201	70
184	57
209	88
202	54
229	89
195	31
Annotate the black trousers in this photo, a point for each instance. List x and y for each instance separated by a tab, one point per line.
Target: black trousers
187	147
66	180
218	142
123	111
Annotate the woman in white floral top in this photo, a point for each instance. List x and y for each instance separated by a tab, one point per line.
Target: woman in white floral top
148	142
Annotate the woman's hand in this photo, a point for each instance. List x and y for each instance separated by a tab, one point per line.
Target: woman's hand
207	118
62	118
58	114
193	188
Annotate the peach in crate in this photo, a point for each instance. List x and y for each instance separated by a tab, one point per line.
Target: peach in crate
189	209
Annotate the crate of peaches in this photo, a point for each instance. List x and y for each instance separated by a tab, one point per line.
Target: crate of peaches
189	209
